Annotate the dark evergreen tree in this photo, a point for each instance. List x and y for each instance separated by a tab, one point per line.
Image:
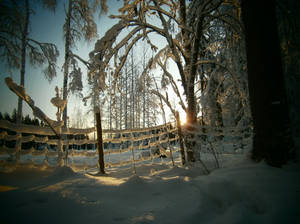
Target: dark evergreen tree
266	83
27	120
7	117
14	116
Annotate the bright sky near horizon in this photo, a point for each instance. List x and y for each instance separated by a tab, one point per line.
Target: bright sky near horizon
47	27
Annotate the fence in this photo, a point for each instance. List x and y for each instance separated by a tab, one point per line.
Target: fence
121	148
125	147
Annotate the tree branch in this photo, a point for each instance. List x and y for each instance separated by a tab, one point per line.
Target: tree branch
165	99
174	51
86	63
174	86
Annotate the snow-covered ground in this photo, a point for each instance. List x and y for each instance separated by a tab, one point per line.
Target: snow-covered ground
240	192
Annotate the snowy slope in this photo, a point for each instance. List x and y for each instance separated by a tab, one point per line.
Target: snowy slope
243	192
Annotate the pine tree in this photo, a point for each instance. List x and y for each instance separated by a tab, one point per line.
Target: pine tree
14	116
7	117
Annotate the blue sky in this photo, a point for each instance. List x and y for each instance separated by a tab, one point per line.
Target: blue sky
47	27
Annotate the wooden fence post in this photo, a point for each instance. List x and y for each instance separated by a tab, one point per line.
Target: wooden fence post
60	161
132	152
18	146
100	141
180	138
171	153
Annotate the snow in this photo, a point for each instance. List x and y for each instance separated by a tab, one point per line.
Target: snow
240	192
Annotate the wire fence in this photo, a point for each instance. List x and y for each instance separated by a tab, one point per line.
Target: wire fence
37	147
33	146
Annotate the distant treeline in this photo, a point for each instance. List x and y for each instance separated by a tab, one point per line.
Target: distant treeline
25	120
34	121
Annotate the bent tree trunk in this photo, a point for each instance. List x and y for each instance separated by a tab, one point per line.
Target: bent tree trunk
266	83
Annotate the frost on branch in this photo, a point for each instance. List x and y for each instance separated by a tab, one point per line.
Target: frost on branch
199	35
37	112
105	43
75	86
41	53
103	46
58	102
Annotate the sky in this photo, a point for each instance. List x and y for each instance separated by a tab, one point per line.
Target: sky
47	26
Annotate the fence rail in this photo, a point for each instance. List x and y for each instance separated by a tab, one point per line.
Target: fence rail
144	145
122	148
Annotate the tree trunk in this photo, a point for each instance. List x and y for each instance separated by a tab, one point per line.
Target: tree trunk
126	98
109	107
23	59
190	91
100	141
191	120
121	103
144	87
67	60
132	104
266	83
180	138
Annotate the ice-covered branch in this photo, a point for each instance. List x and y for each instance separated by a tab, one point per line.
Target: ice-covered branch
232	74
37	112
174	85
49	53
165	99
236	24
86	63
178	62
164	12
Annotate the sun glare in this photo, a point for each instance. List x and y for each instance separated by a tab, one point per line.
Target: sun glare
182	118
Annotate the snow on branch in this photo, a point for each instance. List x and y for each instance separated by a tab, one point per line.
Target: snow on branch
49	53
124	57
174	85
104	52
75	86
105	43
232	74
20	91
86	63
165	99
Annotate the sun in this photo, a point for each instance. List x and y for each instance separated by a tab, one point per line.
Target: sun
183	118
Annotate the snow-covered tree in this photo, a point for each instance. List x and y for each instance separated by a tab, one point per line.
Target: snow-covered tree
17	45
223	89
78	119
185	27
80	24
128	104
